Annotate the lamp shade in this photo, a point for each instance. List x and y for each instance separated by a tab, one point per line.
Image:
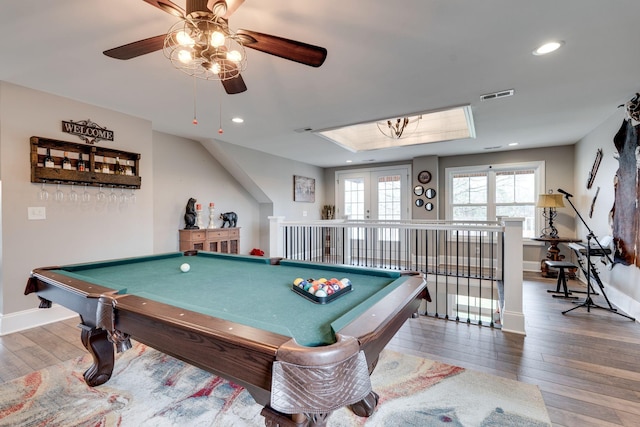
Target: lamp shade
550	201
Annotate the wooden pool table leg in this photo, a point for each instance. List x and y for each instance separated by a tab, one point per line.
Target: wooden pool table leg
101	349
367	406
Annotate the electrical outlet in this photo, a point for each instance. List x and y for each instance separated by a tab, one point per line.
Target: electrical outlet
304	213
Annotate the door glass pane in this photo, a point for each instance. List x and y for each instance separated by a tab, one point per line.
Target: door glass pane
389	198
354	198
389	204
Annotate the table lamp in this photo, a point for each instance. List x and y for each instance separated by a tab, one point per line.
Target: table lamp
549	203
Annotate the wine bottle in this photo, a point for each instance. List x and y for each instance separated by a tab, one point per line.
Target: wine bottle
81	165
119	169
105	166
48	160
66	163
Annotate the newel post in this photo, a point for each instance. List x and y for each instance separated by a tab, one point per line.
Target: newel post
276	237
512	268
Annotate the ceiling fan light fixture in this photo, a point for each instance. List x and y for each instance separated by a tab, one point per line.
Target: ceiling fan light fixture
217	39
184	39
234	56
215	68
202	46
185	56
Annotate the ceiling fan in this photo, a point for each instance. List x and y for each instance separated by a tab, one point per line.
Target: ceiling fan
205	51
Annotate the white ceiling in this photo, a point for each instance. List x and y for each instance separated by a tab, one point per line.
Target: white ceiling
385	59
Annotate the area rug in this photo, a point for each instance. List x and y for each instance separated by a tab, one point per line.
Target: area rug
149	388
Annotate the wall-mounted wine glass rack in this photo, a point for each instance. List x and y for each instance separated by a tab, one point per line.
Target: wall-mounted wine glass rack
103	166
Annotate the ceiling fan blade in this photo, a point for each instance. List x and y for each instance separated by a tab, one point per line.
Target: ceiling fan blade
135	49
234	85
167	6
292	50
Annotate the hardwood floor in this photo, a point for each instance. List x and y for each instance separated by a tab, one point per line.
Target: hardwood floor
587	364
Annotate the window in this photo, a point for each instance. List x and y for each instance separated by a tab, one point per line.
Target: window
486	192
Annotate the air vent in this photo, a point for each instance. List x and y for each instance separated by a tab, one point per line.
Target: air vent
495	147
496	95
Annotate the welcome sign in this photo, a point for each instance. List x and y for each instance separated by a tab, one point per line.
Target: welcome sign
87	131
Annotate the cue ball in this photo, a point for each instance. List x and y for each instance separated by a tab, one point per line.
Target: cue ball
185	267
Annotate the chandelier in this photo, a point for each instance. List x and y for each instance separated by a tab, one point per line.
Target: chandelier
395	128
203	46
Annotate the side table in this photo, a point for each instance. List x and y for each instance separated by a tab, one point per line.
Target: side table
553	253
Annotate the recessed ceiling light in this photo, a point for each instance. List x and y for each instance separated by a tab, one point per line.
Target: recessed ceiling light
237	120
548	48
349	161
511	144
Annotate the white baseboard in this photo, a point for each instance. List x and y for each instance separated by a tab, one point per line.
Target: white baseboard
622	301
513	322
27	319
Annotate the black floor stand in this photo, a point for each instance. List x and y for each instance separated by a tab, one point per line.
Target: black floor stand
588	302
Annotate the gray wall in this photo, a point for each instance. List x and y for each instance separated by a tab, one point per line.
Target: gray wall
559	168
70	233
183	168
251	183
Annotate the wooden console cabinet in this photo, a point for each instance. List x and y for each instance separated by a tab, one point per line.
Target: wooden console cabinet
225	240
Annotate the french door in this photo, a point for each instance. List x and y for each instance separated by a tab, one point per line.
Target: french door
380	194
373	194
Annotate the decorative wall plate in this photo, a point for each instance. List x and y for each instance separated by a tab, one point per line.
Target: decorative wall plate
424	177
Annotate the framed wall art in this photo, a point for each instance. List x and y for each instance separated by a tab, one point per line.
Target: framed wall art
304	189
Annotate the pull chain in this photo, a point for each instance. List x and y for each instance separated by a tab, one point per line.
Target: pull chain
195	95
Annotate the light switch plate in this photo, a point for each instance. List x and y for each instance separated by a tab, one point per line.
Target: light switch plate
36	213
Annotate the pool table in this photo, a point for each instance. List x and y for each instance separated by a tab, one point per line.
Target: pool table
237	317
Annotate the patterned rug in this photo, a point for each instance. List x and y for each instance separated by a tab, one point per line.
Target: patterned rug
149	388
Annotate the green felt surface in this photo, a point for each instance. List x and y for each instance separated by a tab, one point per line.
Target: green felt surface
244	289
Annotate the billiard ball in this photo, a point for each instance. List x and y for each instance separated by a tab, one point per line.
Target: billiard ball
185	267
297	281
320	293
